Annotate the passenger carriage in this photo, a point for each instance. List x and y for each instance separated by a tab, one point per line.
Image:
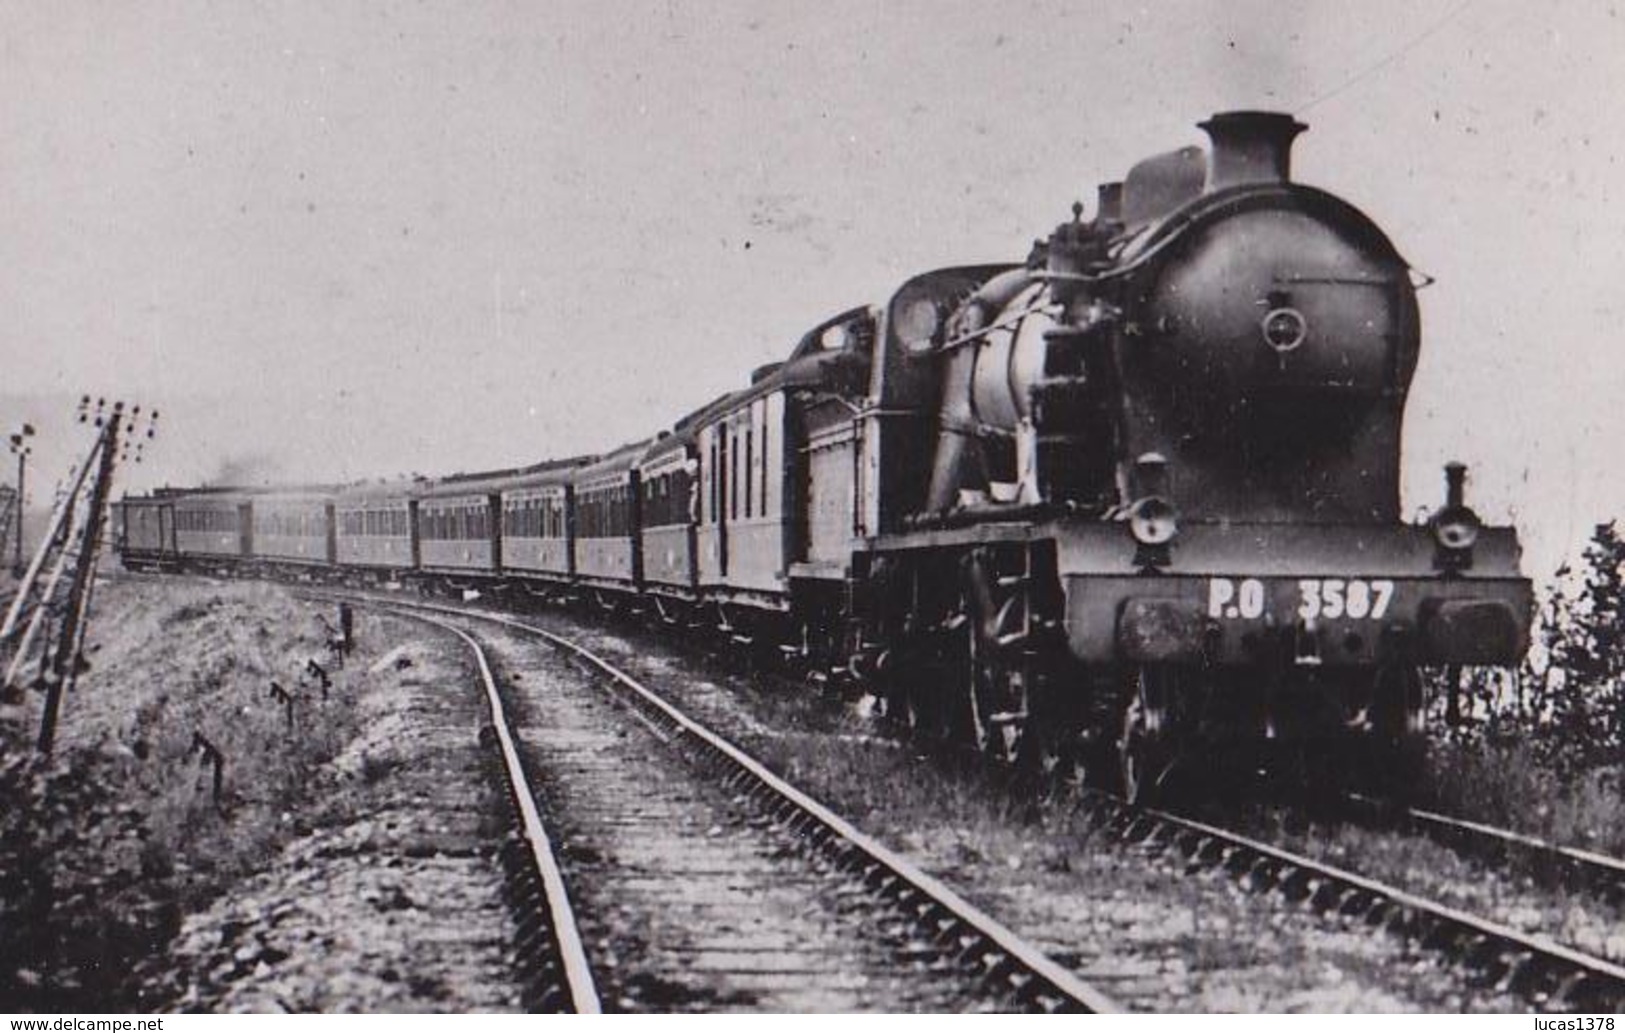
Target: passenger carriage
293	527
606	544
145	531
669	486
374	527
214	524
536	523
458	527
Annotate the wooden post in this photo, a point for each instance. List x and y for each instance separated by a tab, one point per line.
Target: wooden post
63	661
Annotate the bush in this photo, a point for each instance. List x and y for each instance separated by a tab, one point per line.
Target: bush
80	903
1543	747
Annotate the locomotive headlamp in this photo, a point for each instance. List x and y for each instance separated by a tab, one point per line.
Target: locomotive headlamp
1456	526
1152	518
1456	529
1153	521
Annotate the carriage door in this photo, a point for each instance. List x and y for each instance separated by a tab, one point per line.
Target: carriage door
245	528
721	482
493	527
414	527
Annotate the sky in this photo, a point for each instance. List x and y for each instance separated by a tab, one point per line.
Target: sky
341	241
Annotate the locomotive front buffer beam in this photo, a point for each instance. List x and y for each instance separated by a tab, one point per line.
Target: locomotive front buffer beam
1259	596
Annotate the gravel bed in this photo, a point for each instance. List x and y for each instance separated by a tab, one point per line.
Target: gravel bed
687	900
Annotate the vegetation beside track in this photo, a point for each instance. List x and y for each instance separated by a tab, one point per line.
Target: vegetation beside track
1542	748
107	843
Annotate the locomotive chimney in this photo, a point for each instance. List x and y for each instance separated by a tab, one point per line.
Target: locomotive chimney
1109	208
1250	147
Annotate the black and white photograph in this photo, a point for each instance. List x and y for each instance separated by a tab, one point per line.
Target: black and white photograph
872	506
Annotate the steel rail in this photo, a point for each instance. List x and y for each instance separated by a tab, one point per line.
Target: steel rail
1532	965
1031	977
582	991
1598	872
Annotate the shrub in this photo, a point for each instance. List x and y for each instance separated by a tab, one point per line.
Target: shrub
1543	747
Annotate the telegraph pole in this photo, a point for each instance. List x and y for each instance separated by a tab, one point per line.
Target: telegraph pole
21	449
61	662
62	657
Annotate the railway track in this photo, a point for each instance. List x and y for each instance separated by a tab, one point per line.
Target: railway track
1554	863
927	920
1542	971
549	945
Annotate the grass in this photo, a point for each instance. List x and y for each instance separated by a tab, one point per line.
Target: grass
105	846
1509	783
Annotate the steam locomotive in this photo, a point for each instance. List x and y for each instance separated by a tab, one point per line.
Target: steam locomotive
1131	505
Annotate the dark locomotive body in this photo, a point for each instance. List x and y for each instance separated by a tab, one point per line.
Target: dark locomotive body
1136	497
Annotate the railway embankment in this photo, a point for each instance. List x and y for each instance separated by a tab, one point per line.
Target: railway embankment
176	771
226	820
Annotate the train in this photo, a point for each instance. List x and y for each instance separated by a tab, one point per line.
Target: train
1128	508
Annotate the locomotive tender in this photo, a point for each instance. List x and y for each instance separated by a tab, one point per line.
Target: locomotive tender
1127	502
